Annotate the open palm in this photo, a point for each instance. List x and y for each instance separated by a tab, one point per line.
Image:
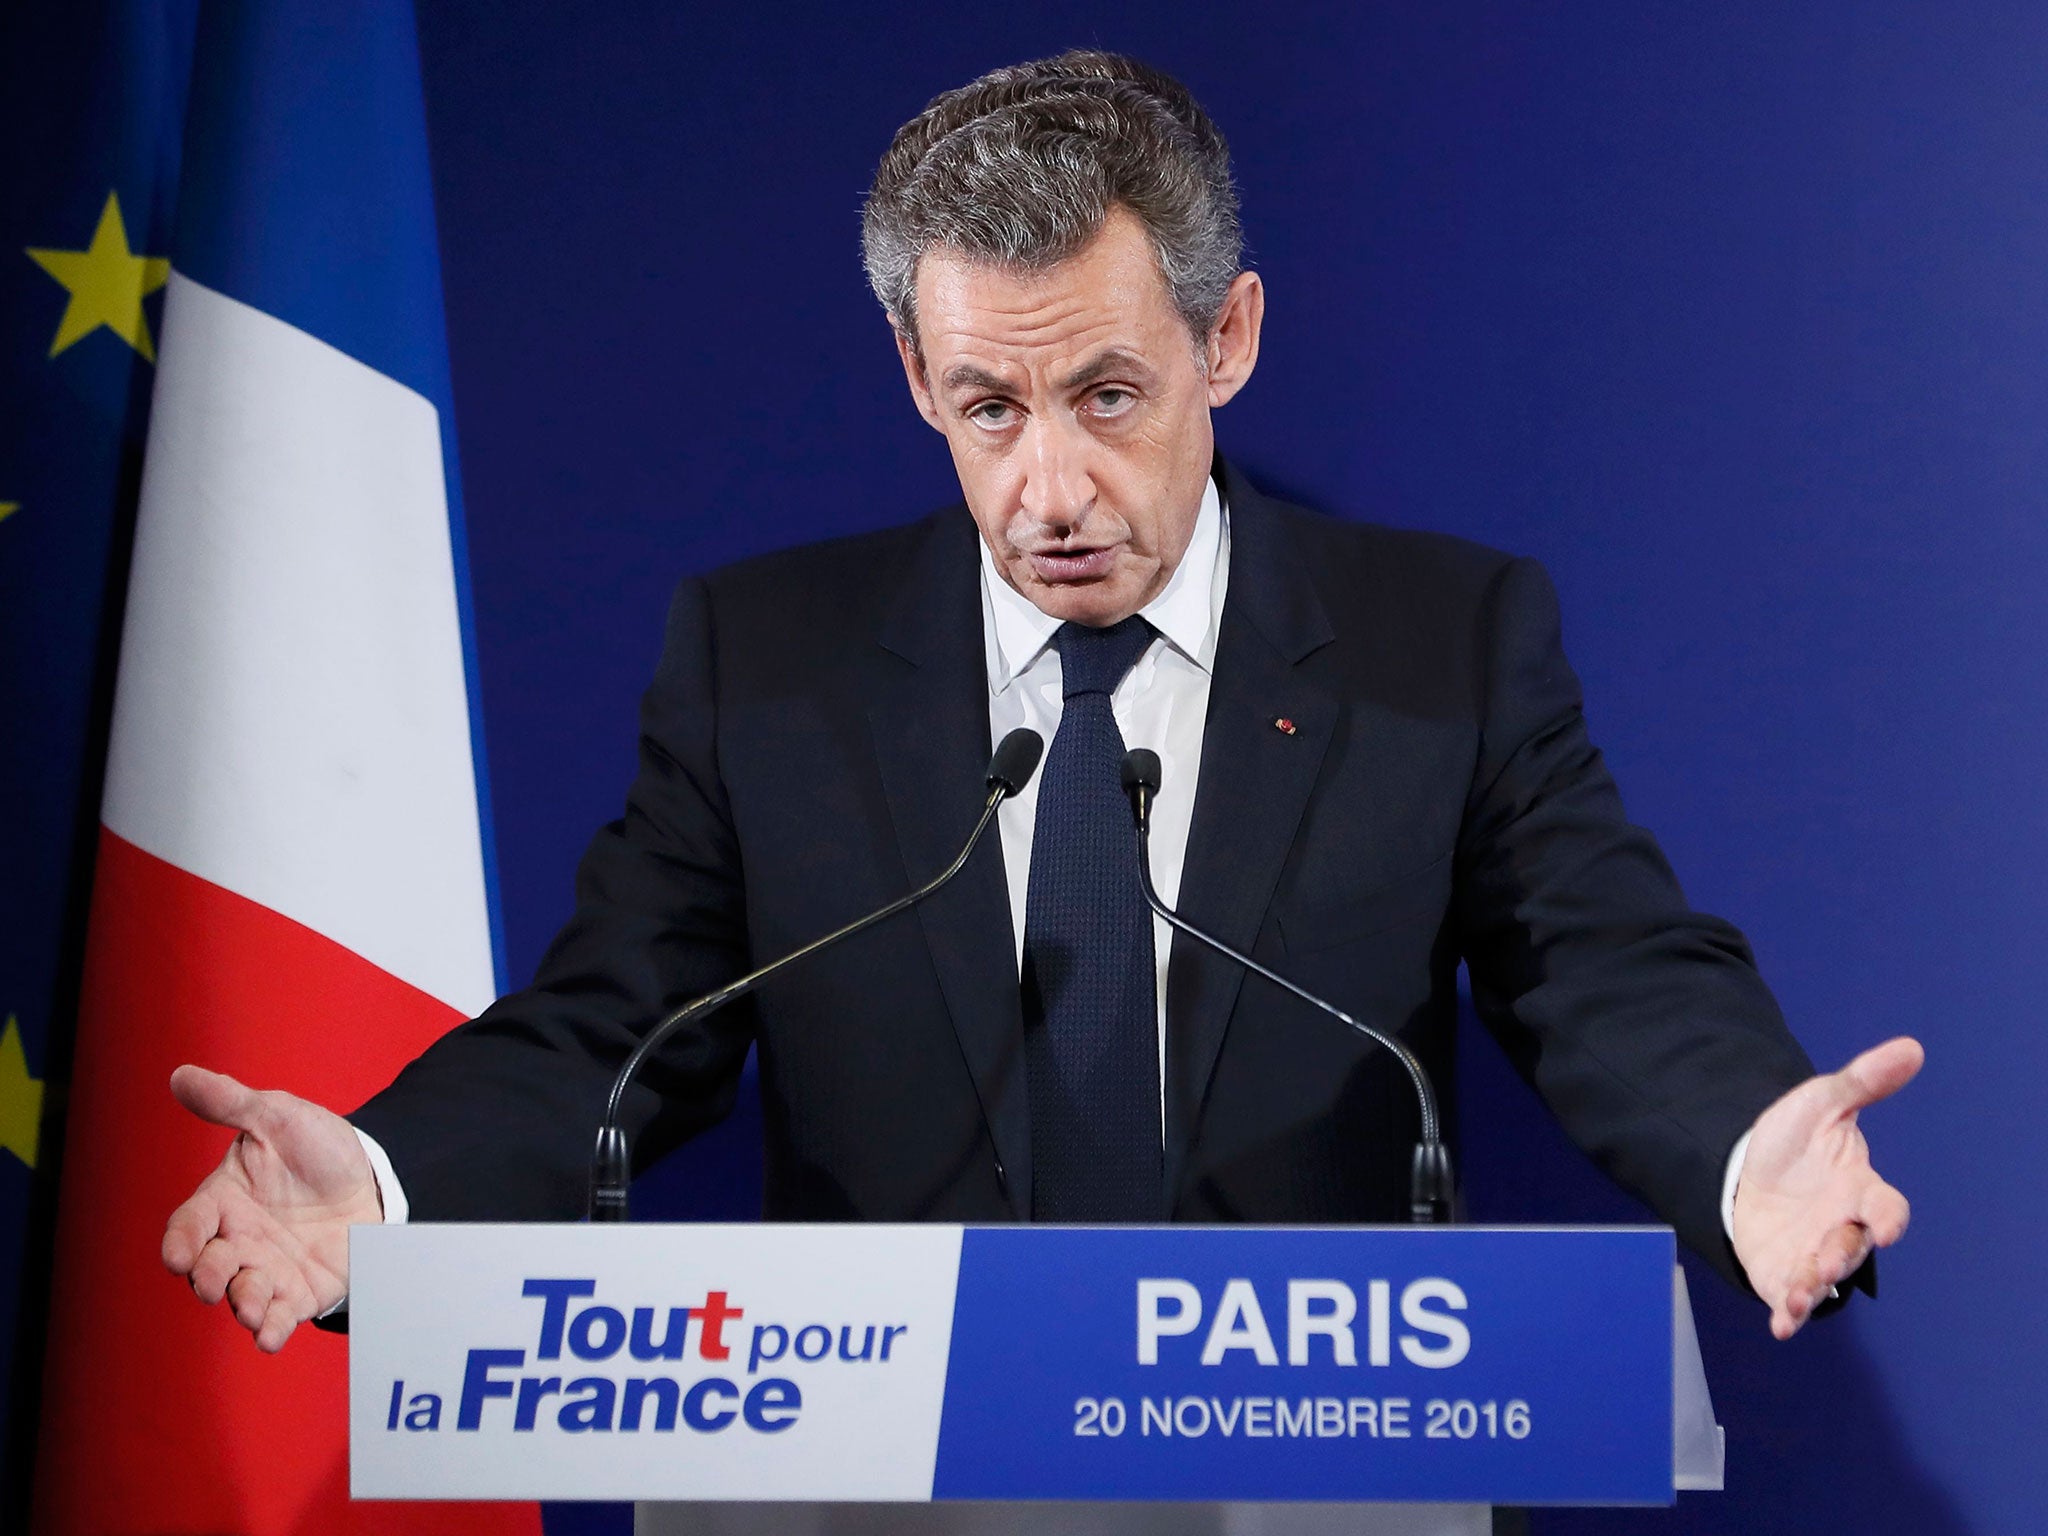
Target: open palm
1809	1207
268	1228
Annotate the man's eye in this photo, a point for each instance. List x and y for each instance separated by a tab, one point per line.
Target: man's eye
990	413
1111	402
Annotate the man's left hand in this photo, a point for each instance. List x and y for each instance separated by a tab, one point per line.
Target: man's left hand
1809	1207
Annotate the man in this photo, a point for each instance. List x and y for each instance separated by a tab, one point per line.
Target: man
1375	766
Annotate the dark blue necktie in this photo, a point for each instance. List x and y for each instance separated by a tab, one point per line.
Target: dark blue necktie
1091	1041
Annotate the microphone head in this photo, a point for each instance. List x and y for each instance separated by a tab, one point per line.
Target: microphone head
1015	760
1141	771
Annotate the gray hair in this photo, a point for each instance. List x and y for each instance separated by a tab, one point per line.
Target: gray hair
1021	167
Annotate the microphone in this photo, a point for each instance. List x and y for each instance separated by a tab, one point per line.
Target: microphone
1009	770
1432	1184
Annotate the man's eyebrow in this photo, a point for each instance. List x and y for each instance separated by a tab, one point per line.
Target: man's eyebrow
967	376
1115	360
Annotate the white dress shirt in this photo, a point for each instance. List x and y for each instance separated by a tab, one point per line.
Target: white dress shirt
1162	703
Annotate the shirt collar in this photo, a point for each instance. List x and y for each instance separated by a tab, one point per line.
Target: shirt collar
1184	612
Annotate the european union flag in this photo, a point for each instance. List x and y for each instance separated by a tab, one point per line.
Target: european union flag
95	93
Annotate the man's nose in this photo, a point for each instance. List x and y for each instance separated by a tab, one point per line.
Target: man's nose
1058	489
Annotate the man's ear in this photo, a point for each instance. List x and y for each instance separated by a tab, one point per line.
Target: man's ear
1234	342
913	372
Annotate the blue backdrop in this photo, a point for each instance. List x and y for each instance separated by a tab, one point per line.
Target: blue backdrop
1734	315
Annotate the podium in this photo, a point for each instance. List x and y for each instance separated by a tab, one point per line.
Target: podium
1114	1366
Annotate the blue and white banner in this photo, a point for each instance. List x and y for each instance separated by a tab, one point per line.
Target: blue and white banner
910	1363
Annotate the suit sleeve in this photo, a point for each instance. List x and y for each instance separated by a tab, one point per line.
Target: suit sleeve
496	1121
1643	1024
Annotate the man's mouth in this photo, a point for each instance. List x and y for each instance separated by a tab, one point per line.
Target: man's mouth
1073	564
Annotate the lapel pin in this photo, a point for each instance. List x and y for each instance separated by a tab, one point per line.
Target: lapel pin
1284	726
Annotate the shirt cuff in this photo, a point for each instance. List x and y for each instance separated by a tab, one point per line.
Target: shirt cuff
390	1194
1729	1181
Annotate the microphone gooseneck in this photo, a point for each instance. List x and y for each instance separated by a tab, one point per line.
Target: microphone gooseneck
1009	770
1431	1179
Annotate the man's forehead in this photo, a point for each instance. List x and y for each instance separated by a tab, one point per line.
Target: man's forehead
1108	297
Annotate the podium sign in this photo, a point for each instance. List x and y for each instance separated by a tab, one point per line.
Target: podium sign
911	1363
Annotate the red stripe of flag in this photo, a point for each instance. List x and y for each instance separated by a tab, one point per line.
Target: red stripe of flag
139	1375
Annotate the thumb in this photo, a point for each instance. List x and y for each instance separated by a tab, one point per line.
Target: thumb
1878	1073
216	1097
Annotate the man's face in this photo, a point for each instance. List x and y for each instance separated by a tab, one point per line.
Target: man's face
1077	413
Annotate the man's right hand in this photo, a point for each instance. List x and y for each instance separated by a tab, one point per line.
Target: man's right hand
268	1229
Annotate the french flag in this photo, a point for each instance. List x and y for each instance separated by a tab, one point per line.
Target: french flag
293	882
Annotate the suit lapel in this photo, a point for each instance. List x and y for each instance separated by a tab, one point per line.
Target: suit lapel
929	715
1255	782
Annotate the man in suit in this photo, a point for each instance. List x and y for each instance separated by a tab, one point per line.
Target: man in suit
1375	767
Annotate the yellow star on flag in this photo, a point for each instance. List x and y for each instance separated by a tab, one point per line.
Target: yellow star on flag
107	283
8	509
21	1097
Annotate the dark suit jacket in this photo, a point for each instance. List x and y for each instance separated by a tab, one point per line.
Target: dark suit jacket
813	745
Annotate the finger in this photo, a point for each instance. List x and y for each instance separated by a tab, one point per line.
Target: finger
1803	1291
1799	1301
217	1267
192	1226
296	1296
251	1292
1842	1253
276	1325
1877	1074
1886	1212
1839	1255
217	1098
